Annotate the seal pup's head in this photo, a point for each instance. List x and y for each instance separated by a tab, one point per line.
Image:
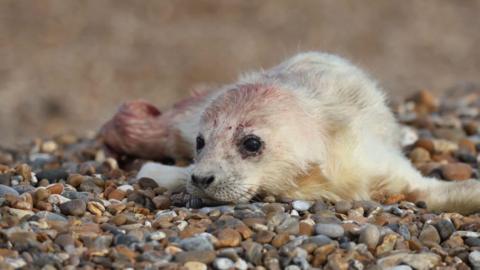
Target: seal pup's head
253	138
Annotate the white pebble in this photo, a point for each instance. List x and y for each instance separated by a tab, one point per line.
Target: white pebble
223	264
57	199
125	188
241	265
301	205
474	259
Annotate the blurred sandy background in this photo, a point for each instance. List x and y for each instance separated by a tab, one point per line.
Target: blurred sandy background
66	65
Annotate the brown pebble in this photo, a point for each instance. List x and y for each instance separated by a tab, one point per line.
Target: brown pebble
95	208
161	202
467	146
306	228
55	188
41	194
425	144
195	256
419	155
117	194
75	180
280	239
264	237
119	219
228	238
456	171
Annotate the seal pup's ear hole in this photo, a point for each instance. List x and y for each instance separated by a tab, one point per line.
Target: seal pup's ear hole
200	143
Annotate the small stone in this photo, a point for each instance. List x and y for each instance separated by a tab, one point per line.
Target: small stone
289	225
223	264
195	266
125	239
419	155
75	180
195	256
50	216
456	171
66	241
370	236
57	199
280	239
53	175
343	206
445	228
472	242
55	188
253	253
426	144
196	243
73	208
117	194
95	208
331	230
423	261
49	147
41	194
429	235
474	258
146	183
301	205
4	190
161	202
264	237
228	238
119	219
387	245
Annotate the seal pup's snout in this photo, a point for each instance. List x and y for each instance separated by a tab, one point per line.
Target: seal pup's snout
202	181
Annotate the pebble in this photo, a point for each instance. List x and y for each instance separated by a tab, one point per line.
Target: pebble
223	264
301	205
4	190
343	206
53	175
474	258
205	257
195	266
423	261
146	183
445	228
429	235
330	230
456	171
73	208
196	243
370	236
228	238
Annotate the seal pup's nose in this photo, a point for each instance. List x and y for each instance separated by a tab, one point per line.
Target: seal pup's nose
202	181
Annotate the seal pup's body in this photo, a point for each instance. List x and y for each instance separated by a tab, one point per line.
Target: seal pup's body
319	128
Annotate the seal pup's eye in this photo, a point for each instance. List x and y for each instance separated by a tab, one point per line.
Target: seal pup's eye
252	144
200	142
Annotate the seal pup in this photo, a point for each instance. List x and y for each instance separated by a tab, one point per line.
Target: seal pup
313	127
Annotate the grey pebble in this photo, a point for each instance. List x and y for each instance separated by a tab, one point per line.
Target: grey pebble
370	236
4	190
196	243
330	230
445	228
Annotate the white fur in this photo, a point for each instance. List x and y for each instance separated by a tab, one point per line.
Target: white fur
170	177
338	120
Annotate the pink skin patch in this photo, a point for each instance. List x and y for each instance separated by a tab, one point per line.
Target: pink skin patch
135	130
141	130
